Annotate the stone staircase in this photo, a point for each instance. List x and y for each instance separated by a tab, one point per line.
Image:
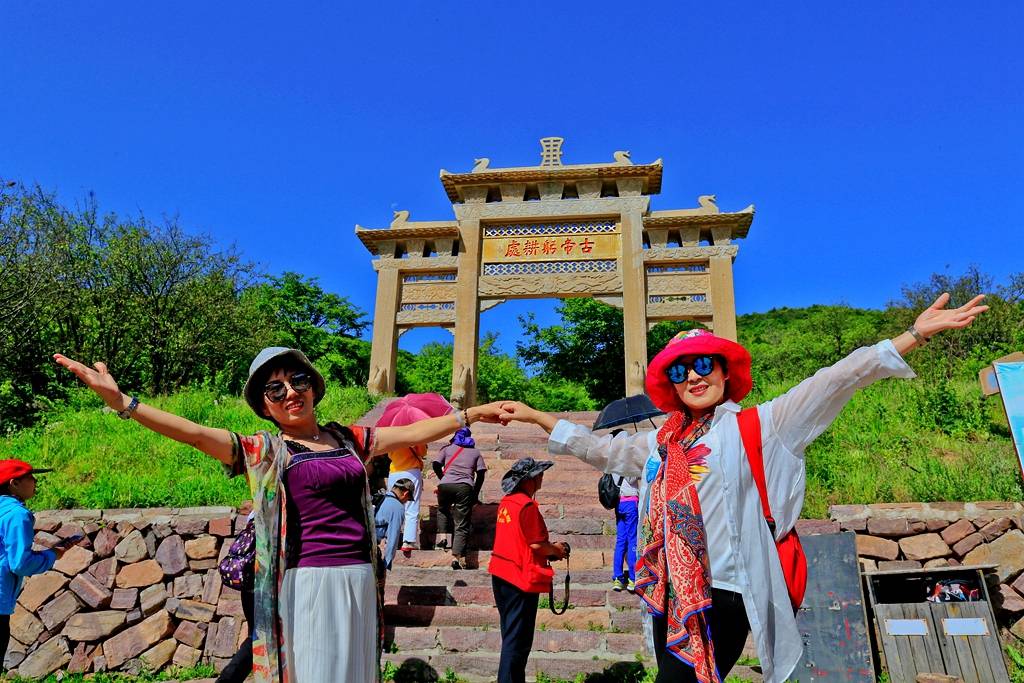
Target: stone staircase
439	618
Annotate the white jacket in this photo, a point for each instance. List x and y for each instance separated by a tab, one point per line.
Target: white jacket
789	423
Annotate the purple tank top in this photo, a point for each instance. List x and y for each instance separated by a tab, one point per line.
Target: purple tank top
326	526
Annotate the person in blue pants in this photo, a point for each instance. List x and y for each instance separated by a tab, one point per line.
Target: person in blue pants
626	518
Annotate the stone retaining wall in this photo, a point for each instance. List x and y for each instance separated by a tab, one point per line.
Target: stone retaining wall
924	535
142	589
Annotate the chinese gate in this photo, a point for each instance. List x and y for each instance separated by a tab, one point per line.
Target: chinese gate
551	230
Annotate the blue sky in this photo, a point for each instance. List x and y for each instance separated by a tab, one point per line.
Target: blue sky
880	142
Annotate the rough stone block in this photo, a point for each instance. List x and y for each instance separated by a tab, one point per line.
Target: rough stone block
191	610
47	524
44	539
25	627
93	625
189	586
1018	584
190	526
69	529
132	548
995	528
924	547
186	656
1012	602
82	658
124	598
134	641
221	642
140	574
877	548
58	610
889	528
1007	551
171	555
230	608
937	562
811	527
93	593
222	526
957	531
50	656
152	598
40	588
211	588
202	565
105	541
202	548
1018	628
936	525
157	656
105	570
190	633
967	544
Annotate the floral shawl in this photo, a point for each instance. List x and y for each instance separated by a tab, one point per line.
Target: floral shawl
264	458
673	575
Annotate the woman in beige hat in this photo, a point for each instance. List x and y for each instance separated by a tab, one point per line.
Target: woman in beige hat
317	618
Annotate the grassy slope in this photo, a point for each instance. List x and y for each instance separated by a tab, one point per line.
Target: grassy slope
882	448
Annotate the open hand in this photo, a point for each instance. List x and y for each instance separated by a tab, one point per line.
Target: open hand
96	378
937	317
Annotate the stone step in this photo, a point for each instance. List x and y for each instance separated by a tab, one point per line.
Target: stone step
479	667
442	595
445	576
580	559
598	619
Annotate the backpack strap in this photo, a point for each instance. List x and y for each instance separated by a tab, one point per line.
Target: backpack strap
750	433
453	459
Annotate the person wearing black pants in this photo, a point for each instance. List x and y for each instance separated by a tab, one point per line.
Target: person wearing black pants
517	610
729	630
240	666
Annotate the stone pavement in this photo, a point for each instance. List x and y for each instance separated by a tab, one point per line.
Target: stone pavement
446	618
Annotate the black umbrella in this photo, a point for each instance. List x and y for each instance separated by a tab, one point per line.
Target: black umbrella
626	410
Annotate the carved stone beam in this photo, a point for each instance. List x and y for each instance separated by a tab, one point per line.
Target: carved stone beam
588	189
689	237
629	187
550	190
415	247
386	249
444	246
614	301
721	234
658	237
512	192
475	194
486	304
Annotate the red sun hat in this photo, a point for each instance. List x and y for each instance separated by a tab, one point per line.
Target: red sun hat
697	343
14	469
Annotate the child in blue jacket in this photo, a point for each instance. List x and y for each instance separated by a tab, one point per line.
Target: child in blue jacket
17	559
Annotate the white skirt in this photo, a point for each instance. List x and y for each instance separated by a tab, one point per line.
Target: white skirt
329	615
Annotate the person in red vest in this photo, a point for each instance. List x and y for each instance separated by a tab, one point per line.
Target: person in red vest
520	569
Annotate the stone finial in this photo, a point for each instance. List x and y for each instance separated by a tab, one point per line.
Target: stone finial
622	158
551	151
480	165
399	218
707	202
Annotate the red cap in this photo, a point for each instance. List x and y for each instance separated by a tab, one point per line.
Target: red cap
13	469
695	343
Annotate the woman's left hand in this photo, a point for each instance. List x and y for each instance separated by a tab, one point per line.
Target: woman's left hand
937	317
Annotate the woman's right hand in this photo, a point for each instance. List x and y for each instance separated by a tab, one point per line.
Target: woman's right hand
96	378
517	411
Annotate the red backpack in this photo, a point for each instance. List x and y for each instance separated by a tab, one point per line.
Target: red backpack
791	552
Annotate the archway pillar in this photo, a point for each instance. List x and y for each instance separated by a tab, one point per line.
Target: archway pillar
723	298
384	350
634	301
467	315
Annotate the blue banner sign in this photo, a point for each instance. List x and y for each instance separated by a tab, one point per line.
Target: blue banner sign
1011	388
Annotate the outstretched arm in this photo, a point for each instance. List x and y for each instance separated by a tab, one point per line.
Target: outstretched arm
806	410
214	442
392	438
623	454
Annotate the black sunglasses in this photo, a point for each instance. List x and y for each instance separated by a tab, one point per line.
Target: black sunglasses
276	391
679	371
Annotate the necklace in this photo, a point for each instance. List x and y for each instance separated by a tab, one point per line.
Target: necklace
314	437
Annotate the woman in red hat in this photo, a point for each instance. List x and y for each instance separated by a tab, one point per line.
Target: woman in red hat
708	569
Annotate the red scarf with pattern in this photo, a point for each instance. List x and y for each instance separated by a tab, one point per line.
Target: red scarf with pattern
673	574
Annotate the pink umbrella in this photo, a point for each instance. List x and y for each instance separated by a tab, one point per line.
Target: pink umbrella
410	408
